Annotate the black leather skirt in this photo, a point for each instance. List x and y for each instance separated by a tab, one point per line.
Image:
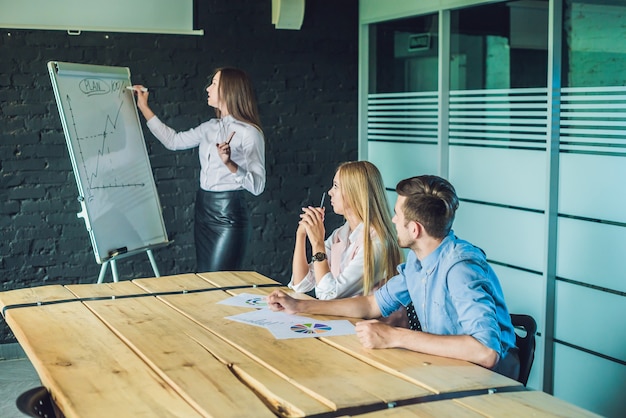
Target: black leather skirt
222	230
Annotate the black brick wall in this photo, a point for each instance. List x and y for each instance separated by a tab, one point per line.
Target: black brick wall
306	83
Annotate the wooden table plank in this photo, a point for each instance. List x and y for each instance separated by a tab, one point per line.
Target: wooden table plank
160	336
100	290
434	373
172	352
65	344
176	283
285	398
279	394
360	383
436	409
34	295
523	404
236	278
437	374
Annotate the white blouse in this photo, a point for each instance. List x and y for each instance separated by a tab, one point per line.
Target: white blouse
349	282
247	151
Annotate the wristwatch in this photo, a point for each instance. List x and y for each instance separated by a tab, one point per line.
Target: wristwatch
318	257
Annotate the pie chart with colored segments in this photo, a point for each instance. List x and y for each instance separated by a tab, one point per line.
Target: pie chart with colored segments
312	328
257	302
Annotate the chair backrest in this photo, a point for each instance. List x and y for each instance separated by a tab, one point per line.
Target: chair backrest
525	344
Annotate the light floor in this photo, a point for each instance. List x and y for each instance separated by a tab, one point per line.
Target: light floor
16	377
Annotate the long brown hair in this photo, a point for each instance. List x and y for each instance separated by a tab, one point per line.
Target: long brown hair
236	90
363	191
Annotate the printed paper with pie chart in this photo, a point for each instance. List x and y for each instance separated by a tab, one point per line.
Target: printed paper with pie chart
246	300
283	325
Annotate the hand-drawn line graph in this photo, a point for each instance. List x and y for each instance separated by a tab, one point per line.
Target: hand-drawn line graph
95	149
116	190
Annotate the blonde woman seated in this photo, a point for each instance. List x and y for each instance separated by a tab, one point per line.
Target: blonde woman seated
358	256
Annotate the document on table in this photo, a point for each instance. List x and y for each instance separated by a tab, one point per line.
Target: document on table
284	326
246	300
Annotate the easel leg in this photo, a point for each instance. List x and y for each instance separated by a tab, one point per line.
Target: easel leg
113	262
114	270
153	263
103	270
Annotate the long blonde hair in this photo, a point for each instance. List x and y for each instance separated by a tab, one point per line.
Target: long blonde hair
364	193
236	90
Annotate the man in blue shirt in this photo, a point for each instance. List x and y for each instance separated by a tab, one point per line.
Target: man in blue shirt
456	294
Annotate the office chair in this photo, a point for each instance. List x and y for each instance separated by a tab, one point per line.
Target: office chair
36	402
525	344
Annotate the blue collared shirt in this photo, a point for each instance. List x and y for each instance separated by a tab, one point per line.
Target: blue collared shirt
455	292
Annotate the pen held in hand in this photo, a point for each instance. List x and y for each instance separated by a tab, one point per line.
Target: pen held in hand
139	89
323	197
230	137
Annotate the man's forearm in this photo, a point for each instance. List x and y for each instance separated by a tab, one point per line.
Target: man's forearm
462	347
355	307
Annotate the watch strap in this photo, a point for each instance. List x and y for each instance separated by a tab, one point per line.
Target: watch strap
320	256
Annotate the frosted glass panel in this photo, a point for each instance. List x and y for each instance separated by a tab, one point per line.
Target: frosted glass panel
493	136
508	236
506	176
391	197
601	195
600	264
591	319
590	382
398	161
523	293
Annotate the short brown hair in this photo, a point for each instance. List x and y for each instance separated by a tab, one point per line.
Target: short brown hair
431	201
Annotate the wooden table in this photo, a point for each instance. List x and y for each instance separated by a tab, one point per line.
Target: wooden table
163	347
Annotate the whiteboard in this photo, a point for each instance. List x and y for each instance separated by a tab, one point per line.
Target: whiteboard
116	189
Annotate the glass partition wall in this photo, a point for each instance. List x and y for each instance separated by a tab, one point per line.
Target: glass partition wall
522	105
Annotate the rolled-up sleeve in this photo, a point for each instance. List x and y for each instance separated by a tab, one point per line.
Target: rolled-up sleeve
393	294
305	285
470	293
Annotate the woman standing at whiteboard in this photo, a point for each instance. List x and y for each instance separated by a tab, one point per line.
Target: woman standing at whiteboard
232	160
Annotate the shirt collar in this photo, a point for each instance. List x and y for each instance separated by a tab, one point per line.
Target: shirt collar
357	233
344	233
431	260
